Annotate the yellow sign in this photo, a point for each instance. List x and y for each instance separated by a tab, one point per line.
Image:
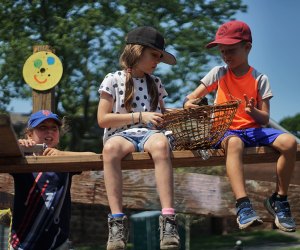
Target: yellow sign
42	70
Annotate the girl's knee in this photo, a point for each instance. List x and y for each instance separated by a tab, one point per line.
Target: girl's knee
160	147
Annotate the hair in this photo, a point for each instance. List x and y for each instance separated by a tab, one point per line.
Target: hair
130	57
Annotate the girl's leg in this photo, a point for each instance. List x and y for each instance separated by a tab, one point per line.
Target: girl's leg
234	148
158	146
114	150
287	146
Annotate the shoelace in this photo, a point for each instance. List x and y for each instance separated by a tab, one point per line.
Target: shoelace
282	209
169	227
246	211
118	234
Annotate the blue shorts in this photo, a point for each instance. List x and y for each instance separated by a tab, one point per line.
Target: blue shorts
138	141
253	137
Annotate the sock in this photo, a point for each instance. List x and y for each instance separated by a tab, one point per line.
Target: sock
278	197
118	215
241	200
168	211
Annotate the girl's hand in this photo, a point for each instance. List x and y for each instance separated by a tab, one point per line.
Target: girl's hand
152	119
250	104
27	142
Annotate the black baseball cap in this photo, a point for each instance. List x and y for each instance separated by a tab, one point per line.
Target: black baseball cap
150	37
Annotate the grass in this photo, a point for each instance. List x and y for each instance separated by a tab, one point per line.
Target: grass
254	238
249	239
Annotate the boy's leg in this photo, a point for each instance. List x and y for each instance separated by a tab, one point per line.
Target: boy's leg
114	150
246	216
287	147
158	146
277	204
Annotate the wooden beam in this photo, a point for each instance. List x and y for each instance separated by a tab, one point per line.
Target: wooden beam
194	193
137	160
9	146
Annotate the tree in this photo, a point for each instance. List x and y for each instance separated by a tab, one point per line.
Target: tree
88	37
292	124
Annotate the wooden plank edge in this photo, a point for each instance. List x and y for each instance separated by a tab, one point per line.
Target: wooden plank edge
136	160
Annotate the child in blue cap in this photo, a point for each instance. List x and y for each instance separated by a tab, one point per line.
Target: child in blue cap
42	201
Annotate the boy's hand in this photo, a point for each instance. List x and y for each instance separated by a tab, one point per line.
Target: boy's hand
191	103
249	104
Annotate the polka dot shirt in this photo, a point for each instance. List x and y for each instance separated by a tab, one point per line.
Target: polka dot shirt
114	85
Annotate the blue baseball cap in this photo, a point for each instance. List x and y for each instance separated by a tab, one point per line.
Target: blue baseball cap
36	118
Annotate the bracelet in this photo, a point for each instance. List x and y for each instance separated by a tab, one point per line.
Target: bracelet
184	101
132	118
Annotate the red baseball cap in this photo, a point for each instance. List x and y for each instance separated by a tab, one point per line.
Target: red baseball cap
230	33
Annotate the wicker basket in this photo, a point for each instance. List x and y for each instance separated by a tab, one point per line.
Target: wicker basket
199	128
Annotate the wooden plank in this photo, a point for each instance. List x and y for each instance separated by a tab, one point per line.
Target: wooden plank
9	146
267	172
194	193
186	158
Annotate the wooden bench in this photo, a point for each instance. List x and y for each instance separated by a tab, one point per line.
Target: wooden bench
194	193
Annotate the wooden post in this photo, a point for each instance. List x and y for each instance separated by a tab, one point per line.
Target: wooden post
43	99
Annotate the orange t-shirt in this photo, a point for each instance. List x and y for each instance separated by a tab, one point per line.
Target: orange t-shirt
231	87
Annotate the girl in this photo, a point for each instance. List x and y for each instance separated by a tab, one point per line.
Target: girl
42	201
130	107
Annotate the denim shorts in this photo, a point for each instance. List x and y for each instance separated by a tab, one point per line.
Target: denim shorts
253	137
138	141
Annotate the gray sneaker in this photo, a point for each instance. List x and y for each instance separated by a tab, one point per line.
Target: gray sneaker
118	233
169	238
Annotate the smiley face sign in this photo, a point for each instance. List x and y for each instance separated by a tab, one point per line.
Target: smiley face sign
42	70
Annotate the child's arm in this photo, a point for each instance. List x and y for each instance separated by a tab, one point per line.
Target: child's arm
107	119
200	91
261	113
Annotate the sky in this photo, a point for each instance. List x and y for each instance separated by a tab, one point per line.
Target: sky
275	26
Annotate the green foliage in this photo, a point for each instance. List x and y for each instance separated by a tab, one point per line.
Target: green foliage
88	37
292	124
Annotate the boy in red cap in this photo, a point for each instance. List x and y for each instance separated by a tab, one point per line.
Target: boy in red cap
237	80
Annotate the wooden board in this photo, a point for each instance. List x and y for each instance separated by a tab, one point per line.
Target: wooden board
9	146
194	193
186	158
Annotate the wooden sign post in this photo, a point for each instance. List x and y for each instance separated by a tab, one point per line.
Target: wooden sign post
43	99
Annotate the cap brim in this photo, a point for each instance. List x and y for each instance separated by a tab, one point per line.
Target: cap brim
225	41
168	58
